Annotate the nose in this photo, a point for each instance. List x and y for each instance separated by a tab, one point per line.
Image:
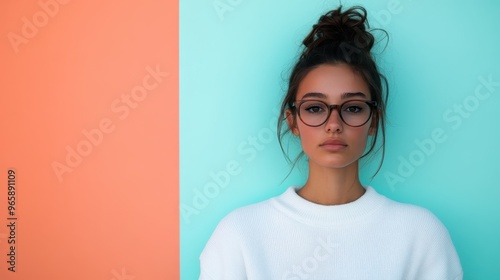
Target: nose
334	122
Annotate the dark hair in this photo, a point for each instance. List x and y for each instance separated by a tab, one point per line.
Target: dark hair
340	37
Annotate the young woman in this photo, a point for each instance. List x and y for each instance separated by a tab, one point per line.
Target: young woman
333	227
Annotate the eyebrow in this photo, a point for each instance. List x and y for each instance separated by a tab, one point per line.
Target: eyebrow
342	96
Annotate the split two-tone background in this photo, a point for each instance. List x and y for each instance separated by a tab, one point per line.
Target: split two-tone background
132	128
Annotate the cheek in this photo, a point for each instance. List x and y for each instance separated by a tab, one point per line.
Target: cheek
361	134
308	136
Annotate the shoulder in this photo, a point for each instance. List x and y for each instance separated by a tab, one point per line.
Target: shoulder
244	223
418	226
429	240
223	254
412	223
246	216
410	214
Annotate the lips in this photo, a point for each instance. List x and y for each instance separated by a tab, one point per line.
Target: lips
334	142
333	145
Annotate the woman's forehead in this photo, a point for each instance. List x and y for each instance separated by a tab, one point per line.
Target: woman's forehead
334	82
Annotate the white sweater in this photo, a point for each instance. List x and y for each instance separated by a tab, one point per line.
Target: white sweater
290	238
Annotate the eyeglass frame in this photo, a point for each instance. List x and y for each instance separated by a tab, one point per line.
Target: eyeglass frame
371	103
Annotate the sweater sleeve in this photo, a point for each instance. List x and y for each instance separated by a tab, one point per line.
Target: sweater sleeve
222	257
439	257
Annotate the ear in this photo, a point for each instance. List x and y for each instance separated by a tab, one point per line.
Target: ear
292	122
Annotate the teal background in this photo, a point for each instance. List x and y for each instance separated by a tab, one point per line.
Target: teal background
233	71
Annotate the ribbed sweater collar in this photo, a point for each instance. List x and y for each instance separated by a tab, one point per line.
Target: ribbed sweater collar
311	213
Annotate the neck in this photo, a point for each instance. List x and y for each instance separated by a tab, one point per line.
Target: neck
329	186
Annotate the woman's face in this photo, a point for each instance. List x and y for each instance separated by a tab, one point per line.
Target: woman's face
333	144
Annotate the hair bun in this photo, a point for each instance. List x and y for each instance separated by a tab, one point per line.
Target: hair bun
337	27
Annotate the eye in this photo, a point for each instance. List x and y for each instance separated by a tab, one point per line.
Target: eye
353	109
314	109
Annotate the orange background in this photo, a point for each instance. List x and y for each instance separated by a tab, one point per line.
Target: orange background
114	216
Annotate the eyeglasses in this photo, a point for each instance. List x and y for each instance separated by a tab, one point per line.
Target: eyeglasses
353	112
